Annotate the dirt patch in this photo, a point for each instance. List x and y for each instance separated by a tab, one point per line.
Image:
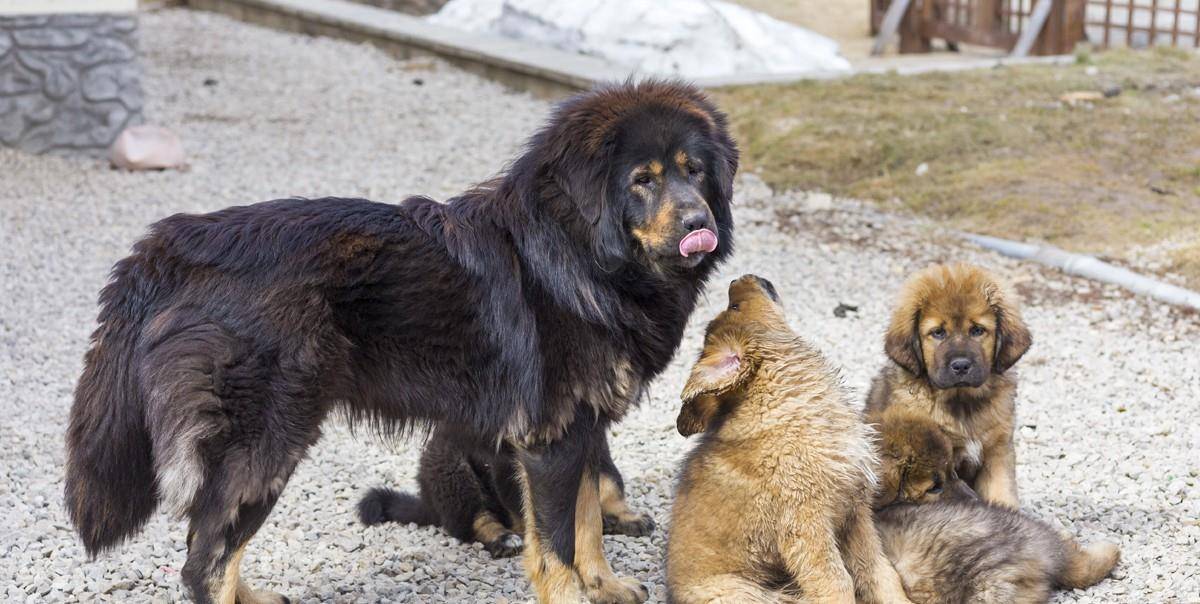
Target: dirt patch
997	152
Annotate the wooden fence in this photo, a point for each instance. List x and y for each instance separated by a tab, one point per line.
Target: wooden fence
1000	23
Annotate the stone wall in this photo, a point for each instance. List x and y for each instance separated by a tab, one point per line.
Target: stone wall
68	83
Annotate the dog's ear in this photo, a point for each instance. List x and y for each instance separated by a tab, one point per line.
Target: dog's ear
1012	336
723	365
696	414
721	368
902	343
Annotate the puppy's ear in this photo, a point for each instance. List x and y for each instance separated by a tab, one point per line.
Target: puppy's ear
902	343
697	414
1012	336
721	368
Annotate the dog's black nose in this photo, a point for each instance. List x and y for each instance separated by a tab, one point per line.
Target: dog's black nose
960	366
695	220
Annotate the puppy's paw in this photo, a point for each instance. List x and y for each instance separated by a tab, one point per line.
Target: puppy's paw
616	590
506	545
633	525
248	595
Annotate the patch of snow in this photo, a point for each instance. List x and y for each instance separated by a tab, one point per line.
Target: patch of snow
685	38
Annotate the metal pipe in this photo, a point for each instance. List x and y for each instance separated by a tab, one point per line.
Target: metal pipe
1089	267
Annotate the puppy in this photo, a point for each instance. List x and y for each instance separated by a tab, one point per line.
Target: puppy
953	339
774	503
473	492
949	547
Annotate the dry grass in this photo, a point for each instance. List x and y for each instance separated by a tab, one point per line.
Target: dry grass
1005	157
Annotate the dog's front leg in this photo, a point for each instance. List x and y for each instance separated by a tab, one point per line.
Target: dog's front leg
564	555
996	481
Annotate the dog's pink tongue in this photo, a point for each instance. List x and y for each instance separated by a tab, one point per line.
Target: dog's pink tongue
701	240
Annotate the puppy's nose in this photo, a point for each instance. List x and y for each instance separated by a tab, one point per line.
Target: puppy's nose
694	220
960	366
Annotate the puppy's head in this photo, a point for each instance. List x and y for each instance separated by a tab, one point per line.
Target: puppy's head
733	347
917	459
956	326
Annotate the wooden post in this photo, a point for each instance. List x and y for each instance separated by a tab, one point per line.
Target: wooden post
912	28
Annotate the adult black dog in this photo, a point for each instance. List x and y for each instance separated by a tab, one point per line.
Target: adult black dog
531	310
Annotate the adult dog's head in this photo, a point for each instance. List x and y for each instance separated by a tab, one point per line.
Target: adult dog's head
751	328
956	327
917	461
648	171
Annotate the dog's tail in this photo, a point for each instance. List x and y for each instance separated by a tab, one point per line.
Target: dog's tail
1086	566
381	505
110	486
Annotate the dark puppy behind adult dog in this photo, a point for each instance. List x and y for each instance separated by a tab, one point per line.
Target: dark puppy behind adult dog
950	547
531	310
473	492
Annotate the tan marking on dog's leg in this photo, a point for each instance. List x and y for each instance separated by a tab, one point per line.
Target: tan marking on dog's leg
875	579
553	581
599	581
997	479
227	593
487	527
233	590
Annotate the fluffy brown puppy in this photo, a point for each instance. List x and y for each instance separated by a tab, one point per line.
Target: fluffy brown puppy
917	460
953	338
954	548
774	503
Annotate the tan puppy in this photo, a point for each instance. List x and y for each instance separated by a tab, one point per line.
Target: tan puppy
773	504
953	338
954	548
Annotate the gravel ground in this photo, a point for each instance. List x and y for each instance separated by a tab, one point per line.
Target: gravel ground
1108	447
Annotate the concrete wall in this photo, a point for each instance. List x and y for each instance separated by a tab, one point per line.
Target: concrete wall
68	83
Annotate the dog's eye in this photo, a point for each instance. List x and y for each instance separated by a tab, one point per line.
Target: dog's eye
642	179
938	333
693	169
937	485
733	307
977	331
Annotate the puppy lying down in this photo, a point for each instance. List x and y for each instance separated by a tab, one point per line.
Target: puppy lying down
949	546
774	503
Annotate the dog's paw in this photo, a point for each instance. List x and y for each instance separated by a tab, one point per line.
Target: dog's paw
639	525
506	546
616	590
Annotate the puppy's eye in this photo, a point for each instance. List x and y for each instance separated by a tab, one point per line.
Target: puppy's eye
937	485
977	331
938	333
733	307
642	179
693	169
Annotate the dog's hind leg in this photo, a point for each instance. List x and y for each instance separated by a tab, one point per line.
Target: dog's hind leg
875	579
619	519
731	589
217	540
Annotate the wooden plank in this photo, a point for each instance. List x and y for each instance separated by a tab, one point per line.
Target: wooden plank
1107	20
1041	11
958	33
912	35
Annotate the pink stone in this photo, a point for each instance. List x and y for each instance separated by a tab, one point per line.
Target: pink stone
147	148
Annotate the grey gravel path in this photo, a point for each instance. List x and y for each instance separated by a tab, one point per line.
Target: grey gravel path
1109	444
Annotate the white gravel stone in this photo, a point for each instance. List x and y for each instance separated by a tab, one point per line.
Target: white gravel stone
1108	445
